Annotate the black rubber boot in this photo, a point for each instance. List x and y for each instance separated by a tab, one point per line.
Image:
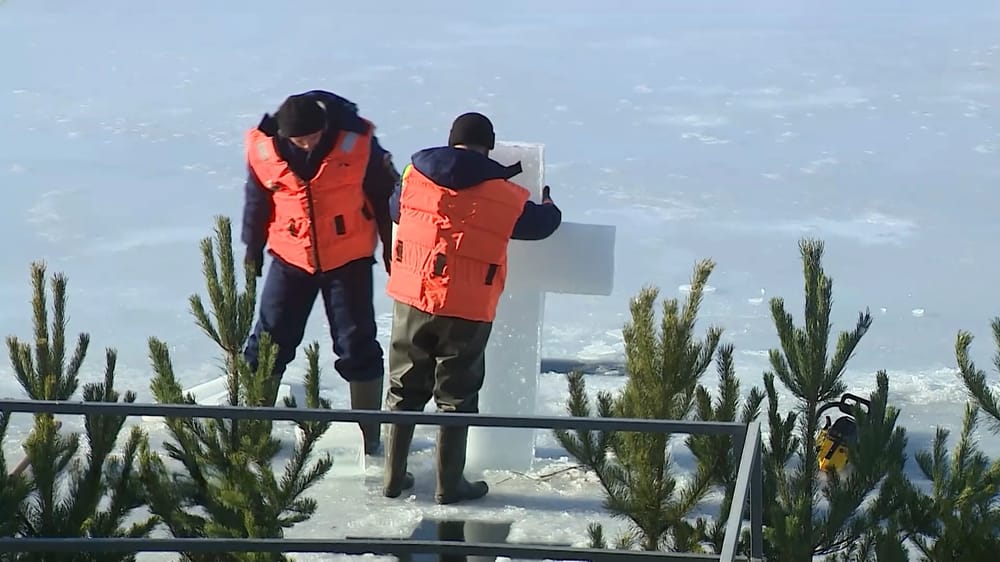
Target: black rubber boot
397	450
452	487
367	395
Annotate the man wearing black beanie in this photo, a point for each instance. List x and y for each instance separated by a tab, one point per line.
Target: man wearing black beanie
317	195
457	209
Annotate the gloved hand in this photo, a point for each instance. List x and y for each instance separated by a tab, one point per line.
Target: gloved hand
255	259
545	195
387	257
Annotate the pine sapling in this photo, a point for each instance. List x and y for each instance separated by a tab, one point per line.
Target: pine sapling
959	519
74	493
663	368
225	484
795	531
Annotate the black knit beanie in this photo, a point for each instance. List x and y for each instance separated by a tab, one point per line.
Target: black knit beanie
472	129
300	115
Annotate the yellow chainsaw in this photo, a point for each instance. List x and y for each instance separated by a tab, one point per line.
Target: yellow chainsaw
835	440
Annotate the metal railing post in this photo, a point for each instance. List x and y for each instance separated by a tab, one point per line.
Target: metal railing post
741	492
740	440
757	501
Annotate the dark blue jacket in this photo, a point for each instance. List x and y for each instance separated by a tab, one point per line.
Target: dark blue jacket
342	115
458	169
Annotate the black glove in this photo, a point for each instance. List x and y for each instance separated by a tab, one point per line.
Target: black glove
255	259
545	195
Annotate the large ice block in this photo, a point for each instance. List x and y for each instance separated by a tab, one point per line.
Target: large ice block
578	259
342	440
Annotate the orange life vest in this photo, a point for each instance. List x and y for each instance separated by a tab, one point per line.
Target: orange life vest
450	254
324	223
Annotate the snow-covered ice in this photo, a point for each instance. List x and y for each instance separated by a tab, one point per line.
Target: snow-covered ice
717	129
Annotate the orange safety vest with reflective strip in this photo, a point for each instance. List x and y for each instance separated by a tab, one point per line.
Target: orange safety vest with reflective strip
450	254
326	222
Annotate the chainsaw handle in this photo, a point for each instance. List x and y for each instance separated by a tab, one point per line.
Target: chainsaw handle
844	404
847	397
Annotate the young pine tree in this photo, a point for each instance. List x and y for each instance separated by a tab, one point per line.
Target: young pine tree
226	466
959	520
796	527
73	493
663	367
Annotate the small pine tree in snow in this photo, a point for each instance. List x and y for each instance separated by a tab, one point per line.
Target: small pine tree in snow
226	486
664	365
797	526
959	520
89	494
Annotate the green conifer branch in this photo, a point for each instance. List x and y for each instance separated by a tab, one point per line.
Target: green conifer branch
14	489
187	433
42	373
974	379
595	533
296	480
581	444
40	313
126	492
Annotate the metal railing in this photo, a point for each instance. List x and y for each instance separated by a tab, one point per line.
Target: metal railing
749	482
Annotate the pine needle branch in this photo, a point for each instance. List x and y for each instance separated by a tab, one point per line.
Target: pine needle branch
974	378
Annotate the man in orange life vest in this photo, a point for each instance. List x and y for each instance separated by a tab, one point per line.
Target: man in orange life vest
456	209
317	194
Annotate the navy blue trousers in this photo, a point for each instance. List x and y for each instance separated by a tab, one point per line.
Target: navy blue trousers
288	298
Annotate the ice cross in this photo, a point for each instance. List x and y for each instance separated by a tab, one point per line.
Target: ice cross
578	259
